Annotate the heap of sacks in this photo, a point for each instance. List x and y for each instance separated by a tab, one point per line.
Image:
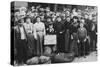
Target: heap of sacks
39	60
42	59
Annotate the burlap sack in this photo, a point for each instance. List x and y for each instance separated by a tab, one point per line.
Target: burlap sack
32	61
44	59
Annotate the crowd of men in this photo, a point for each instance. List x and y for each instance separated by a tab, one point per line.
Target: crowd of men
76	31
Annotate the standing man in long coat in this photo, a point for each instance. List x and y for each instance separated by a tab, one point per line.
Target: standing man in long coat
74	37
67	34
59	28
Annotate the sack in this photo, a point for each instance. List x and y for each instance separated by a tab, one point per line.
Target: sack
34	60
47	51
44	59
63	57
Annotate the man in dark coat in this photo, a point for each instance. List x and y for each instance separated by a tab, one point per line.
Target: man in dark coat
67	34
20	43
74	37
59	28
82	40
93	36
91	31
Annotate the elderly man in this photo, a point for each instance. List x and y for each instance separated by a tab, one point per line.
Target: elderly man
20	42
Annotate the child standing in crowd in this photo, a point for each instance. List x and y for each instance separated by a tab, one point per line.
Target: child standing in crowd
82	38
49	26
